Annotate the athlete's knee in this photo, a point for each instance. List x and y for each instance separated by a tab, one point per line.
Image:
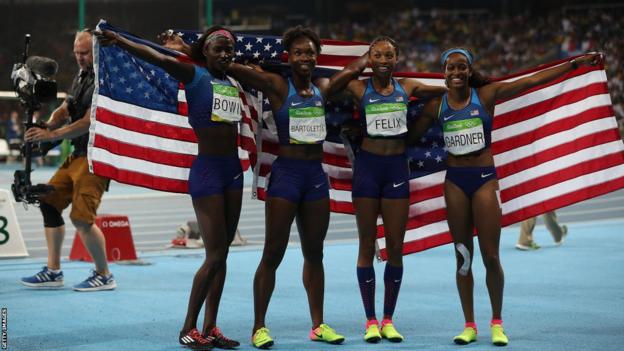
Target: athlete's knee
216	260
367	247
464	259
209	268
313	255
52	218
490	260
272	257
394	249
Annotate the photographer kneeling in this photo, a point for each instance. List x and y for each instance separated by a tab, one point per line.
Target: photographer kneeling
73	183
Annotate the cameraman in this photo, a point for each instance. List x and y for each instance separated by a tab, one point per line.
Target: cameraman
73	183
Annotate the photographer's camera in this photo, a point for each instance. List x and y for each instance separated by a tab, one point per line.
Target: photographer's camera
34	84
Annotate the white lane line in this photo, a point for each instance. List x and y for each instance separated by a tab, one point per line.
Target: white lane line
617	210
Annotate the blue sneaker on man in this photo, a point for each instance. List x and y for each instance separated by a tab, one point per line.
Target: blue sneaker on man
97	282
44	279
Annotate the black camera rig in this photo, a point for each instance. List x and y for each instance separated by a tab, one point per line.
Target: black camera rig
33	84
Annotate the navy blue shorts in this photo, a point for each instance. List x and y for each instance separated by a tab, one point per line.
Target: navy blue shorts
212	175
470	179
377	176
297	180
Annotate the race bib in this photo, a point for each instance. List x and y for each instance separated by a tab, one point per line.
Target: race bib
306	125
464	136
226	104
386	119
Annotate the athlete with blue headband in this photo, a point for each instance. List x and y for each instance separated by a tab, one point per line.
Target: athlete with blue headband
465	114
462	51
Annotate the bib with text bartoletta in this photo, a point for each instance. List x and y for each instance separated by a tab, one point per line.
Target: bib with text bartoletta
306	125
226	104
464	136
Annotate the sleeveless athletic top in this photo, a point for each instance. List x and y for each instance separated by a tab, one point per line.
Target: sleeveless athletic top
301	120
467	130
211	100
384	116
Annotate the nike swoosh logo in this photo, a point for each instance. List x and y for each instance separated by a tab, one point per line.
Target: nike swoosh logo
397	185
397	281
371	100
486	175
318	186
295	103
370	280
449	117
238	176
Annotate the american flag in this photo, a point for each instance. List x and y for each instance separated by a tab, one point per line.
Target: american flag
553	146
140	133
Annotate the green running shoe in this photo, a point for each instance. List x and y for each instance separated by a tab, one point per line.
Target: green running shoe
261	339
466	337
325	333
388	331
498	335
372	332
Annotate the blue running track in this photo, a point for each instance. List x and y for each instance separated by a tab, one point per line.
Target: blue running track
556	298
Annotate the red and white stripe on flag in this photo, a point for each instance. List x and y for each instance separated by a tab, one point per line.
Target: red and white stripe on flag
151	148
556	145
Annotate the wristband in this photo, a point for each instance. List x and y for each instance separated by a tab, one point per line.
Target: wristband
574	64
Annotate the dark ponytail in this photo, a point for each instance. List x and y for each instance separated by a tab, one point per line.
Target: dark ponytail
477	80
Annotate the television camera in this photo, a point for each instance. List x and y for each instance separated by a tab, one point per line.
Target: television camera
34	84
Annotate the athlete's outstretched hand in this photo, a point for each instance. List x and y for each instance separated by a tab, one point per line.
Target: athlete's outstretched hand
592	58
106	37
171	40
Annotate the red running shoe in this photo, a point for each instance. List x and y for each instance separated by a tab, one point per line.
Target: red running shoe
221	341
195	341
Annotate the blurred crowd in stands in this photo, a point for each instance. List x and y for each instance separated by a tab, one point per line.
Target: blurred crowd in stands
502	45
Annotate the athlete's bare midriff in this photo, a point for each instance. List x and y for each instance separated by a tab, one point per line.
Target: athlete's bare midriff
217	140
383	147
302	152
482	159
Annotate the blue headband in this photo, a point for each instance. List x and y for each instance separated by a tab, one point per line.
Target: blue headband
448	52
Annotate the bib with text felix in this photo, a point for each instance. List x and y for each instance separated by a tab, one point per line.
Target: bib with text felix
386	119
